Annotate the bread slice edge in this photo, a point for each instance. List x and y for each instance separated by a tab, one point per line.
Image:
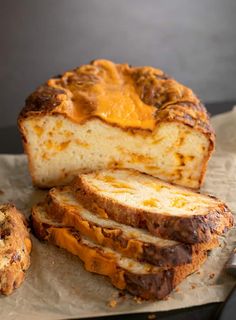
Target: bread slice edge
192	230
155	283
151	249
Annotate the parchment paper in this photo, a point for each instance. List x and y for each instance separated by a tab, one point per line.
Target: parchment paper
57	286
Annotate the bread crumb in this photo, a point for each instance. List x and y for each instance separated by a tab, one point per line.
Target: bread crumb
121	294
112	303
152	316
198	272
211	275
1	192
193	286
166	298
138	300
176	290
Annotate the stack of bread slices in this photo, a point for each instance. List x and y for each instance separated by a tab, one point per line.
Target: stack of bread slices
144	234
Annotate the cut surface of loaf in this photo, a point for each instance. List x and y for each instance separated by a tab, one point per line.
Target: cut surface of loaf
15	247
140	279
106	115
142	201
135	243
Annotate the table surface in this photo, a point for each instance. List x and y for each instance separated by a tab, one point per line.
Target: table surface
10	143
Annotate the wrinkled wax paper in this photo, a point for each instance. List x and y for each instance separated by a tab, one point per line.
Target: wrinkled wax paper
57	286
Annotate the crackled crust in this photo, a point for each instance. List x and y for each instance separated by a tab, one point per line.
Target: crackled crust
191	229
168	255
156	283
15	248
170	100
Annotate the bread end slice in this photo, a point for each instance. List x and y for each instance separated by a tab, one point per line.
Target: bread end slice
15	247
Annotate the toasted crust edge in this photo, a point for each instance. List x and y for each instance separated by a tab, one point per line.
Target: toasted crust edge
147	286
195	229
168	256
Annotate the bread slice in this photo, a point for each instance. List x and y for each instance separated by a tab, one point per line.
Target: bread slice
15	247
134	243
136	199
106	115
140	279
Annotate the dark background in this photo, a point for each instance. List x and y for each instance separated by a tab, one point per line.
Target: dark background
192	40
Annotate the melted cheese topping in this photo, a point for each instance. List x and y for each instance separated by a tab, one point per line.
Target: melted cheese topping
107	91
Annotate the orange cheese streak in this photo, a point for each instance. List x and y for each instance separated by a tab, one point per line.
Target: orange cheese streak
94	261
94	232
110	95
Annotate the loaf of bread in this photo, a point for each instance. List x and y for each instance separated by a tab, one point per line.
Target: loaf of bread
106	115
140	279
15	247
133	243
142	201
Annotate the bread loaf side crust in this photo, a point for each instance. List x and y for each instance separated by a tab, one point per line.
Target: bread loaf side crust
16	248
193	229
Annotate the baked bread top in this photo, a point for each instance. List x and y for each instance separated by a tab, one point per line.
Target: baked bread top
15	247
121	95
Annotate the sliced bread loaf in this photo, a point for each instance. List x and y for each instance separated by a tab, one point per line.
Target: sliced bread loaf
139	200
140	279
107	115
15	247
131	242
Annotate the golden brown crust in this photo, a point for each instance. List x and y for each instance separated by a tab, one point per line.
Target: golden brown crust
15	248
193	229
114	237
156	283
172	100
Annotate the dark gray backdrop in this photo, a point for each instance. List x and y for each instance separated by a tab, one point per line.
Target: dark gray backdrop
193	40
